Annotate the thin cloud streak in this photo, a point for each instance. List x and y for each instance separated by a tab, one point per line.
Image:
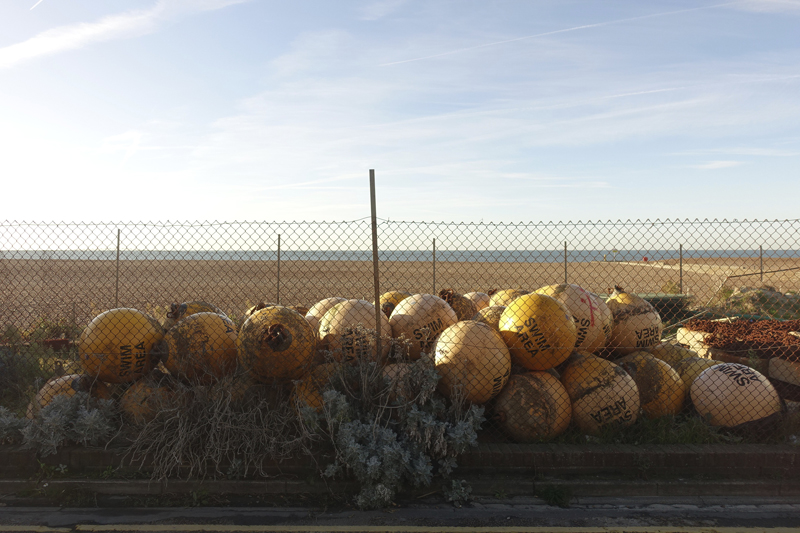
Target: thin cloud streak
124	25
36	4
545	34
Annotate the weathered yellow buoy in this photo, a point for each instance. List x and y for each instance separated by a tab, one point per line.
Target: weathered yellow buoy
319	309
539	331
533	406
730	394
179	311
505	296
276	343
490	316
602	393
672	354
258	307
116	345
637	325
201	348
591	315
480	299
691	367
661	390
67	386
473	360
420	318
463	307
144	400
338	331
310	389
389	301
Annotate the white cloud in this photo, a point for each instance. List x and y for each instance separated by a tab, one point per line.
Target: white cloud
714	165
380	9
120	26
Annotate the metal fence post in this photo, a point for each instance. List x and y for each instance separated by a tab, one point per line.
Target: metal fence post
116	276
378	309
434	266
761	261
565	262
680	268
278	286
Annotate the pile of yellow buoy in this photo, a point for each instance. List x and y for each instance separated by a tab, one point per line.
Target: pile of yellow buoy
541	360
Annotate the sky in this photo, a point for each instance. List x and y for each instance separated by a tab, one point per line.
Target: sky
552	110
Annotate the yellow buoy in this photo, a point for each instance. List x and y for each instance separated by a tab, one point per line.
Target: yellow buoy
480	299
473	360
602	393
730	394
490	316
179	311
389	301
144	400
672	354
539	331
116	345
591	314
691	367
533	406
463	307
276	343
258	307
319	309
310	389
661	389
201	348
637	325
505	296
420	318
338	331
67	386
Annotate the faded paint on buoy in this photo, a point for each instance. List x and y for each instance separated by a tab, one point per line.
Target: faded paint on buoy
661	389
593	318
533	406
420	318
731	394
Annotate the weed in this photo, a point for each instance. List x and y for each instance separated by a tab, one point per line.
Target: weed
555	495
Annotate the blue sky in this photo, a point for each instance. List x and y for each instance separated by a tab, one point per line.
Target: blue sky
468	111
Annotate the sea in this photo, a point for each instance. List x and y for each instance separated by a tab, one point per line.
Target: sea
472	256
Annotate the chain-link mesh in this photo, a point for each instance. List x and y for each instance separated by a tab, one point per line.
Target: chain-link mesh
648	331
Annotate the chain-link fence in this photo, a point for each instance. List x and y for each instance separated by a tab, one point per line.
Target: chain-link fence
653	331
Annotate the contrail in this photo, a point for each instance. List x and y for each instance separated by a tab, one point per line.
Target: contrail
585	26
36	4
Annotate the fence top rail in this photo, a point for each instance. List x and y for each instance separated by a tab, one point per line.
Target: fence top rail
197	224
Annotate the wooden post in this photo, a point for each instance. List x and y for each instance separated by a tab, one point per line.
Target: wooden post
680	268
377	283
434	266
116	276
278	288
761	261
565	262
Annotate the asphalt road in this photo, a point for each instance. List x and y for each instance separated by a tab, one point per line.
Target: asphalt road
596	515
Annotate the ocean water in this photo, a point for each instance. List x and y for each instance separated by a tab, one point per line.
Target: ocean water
478	256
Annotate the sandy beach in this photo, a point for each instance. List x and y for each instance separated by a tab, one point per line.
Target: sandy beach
80	289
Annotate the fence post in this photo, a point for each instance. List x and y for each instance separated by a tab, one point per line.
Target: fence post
565	262
278	287
377	285
434	266
680	268
761	261
116	276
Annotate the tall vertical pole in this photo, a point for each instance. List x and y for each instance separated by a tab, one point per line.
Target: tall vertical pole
680	268
278	287
761	261
377	284
565	262
116	276
434	266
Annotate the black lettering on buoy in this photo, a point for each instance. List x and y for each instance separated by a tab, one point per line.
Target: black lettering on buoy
124	359
537	337
139	358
